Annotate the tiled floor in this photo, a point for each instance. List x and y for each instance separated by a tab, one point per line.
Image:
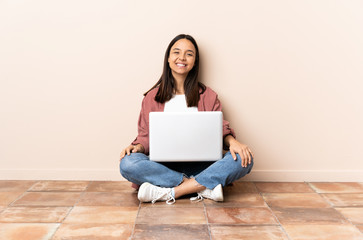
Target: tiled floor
62	210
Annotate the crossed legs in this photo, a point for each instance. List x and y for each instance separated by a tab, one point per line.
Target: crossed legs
137	168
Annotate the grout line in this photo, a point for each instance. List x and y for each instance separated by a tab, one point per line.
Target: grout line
70	209
273	214
19	197
255	187
347	219
333	206
134	225
311	186
61	222
326	200
245	224
22	195
206	217
37	181
90	182
26	191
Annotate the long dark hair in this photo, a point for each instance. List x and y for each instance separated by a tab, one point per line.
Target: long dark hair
166	82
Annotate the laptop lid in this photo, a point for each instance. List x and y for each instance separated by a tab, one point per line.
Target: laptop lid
186	136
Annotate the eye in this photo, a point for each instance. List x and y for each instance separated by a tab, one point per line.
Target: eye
191	55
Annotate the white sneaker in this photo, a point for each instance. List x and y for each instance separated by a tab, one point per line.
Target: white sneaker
216	194
152	193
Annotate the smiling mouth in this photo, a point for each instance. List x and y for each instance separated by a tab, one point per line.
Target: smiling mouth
181	65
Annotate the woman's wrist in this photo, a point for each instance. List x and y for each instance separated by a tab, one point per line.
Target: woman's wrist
228	140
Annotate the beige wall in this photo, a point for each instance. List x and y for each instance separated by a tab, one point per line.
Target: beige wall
289	75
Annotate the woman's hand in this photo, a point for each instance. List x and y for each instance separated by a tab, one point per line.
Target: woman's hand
132	149
243	150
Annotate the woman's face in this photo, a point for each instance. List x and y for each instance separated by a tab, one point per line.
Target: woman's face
182	57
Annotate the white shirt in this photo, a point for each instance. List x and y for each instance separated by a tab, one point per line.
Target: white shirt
178	103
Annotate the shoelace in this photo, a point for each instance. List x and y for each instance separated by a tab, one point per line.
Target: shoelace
198	198
170	199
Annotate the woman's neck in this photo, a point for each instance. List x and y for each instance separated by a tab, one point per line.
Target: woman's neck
179	85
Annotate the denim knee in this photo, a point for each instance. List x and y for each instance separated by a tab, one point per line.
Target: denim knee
124	165
127	165
236	169
249	166
131	163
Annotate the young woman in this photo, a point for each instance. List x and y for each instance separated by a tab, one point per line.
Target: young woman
179	90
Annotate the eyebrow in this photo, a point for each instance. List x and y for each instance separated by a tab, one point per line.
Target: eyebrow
187	50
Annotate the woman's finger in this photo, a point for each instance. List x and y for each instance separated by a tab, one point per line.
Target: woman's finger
128	151
122	155
248	156
244	158
233	155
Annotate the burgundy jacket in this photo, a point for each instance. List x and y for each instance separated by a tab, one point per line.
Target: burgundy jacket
208	102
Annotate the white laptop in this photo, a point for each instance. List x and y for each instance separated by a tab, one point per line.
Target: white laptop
185	136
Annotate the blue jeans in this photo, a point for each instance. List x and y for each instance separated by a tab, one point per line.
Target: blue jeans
138	168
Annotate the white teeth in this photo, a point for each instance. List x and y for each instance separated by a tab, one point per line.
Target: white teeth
180	65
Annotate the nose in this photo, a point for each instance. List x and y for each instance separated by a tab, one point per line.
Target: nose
182	57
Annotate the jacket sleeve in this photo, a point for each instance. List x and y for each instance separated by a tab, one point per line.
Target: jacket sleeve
227	130
143	127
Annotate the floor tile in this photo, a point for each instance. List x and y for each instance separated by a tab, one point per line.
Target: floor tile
247	232
104	214
355	215
8	197
59	186
57	199
337	187
175	232
125	199
27	231
159	216
344	199
238	200
241	187
322	232
93	232
251	216
110	186
309	216
180	203
283	187
15	185
34	214
291	200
